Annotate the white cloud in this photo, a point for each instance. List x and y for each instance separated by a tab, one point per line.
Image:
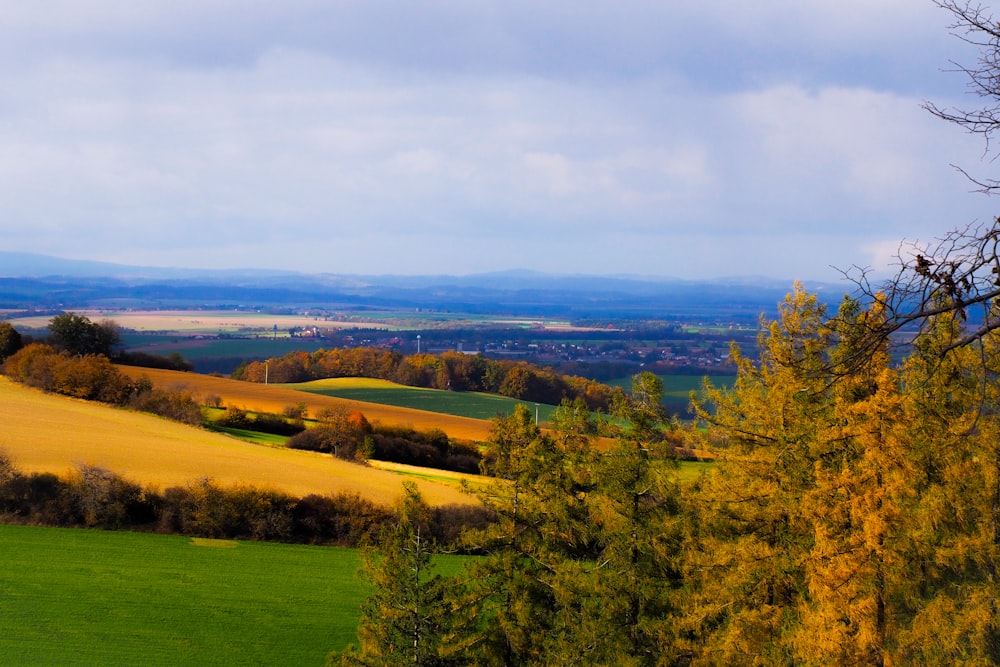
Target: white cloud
622	133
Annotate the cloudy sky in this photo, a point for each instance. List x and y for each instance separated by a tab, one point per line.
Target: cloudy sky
651	137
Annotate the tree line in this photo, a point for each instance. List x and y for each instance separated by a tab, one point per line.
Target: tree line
448	370
852	516
349	435
92	497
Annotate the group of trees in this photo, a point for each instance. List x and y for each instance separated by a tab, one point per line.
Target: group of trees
852	516
349	435
449	370
10	340
77	334
579	566
94	377
861	498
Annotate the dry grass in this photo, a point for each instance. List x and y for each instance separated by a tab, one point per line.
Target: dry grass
270	398
49	433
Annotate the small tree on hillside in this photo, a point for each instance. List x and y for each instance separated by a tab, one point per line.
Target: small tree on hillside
77	334
10	340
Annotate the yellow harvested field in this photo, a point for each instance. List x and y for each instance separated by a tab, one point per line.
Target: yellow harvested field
193	321
49	433
270	398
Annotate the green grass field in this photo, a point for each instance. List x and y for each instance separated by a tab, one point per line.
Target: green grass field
255	437
196	350
85	597
458	403
677	388
680	386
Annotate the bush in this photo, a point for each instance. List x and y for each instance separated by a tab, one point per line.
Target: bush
91	377
205	509
176	405
342	519
264	422
449	521
10	340
297	411
94	497
102	499
431	449
36	499
275	424
331	440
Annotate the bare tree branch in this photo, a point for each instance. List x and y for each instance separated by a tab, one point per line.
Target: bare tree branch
959	275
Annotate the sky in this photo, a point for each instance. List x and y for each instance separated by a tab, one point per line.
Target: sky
775	138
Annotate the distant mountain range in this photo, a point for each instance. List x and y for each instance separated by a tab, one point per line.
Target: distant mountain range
30	281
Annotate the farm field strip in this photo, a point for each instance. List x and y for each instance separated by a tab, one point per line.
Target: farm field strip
50	433
459	403
446	476
73	596
680	386
199	348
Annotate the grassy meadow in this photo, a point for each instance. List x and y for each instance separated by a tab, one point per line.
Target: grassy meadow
680	386
50	433
459	403
195	349
86	597
677	388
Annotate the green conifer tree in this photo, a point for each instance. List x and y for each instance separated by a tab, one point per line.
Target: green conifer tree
405	619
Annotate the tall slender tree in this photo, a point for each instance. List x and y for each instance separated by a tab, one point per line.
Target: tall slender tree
404	620
749	539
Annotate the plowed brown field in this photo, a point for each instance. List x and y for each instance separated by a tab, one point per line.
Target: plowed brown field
50	433
268	398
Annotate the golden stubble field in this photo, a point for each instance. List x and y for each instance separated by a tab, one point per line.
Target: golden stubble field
269	398
49	433
194	322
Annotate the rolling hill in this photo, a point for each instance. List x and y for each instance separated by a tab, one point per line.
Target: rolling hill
49	433
271	398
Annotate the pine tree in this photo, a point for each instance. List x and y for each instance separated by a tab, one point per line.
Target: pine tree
852	517
404	620
955	430
581	565
856	507
749	539
633	578
507	602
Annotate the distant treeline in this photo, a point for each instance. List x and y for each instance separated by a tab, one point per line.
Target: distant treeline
97	498
449	370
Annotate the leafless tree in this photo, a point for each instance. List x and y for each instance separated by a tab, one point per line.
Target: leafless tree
958	273
974	24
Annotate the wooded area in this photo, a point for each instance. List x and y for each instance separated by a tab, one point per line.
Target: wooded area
852	517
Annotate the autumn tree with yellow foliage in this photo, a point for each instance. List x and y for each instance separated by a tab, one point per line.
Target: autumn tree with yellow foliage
852	516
